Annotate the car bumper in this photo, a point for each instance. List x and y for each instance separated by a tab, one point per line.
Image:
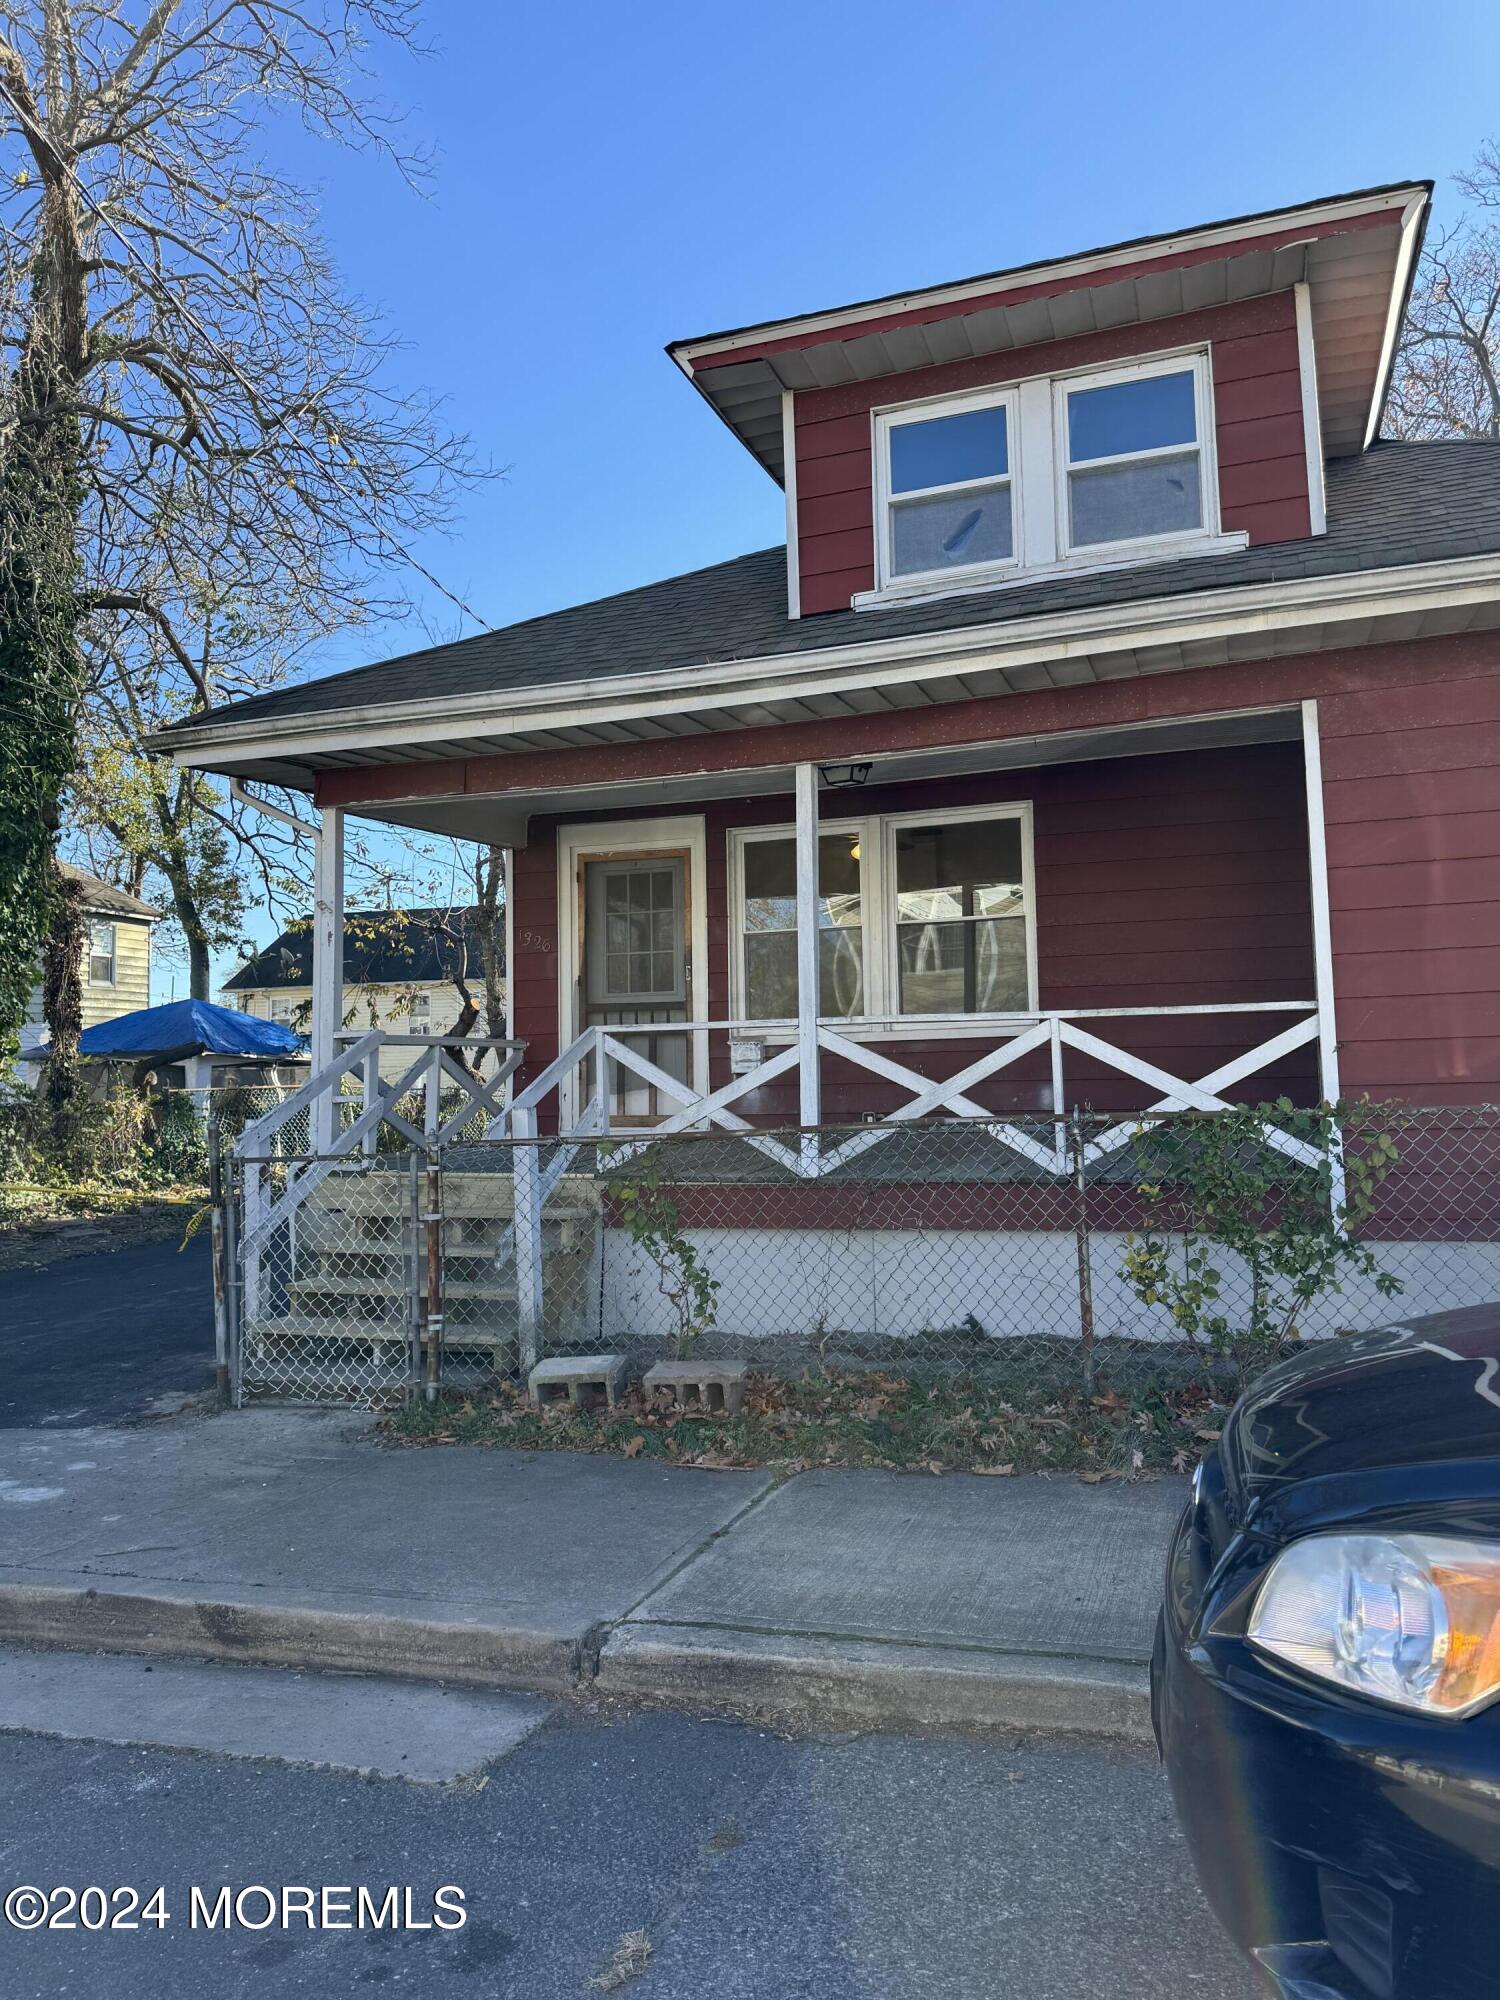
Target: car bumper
1352	1851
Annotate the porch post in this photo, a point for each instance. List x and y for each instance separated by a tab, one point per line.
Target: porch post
1317	862
328	962
807	961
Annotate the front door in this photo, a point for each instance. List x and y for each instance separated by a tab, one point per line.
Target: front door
635	970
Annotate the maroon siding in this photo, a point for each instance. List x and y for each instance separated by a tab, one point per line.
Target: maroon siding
1257	406
1412	803
1161	881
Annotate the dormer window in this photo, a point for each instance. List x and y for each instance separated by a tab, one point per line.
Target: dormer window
950	497
1052	474
1134	471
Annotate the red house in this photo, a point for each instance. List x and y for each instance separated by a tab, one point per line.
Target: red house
1120	724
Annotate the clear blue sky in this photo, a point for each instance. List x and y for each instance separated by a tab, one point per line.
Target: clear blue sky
609	177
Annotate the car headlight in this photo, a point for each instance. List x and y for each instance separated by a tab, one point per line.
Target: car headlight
1409	1619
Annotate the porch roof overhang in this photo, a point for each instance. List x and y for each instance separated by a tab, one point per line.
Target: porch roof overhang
1354	252
483	764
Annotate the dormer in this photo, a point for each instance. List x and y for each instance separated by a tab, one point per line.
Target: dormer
1157	401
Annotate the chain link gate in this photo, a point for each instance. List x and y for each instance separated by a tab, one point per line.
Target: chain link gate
929	1249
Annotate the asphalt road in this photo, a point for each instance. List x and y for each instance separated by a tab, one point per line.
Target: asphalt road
759	1869
94	1340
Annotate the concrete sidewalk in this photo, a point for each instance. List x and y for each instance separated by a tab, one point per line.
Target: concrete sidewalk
866	1598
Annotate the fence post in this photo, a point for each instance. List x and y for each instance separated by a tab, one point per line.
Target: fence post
216	1249
526	1226
432	1217
1085	1262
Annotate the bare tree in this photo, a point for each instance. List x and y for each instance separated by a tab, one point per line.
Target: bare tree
1447	379
203	407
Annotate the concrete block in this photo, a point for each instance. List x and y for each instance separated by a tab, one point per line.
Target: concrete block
580	1379
716	1386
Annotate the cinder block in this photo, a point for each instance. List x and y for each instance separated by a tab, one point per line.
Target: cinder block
583	1380
717	1386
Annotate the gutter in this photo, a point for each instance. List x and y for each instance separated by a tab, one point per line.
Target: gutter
1255	608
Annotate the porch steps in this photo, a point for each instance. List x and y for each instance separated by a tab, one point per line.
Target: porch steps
355	1241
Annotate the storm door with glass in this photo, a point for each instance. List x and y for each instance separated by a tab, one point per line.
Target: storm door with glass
636	972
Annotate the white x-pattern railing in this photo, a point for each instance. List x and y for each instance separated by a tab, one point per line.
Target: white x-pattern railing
602	1049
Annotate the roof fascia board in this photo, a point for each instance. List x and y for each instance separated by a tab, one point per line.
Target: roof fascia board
1265	607
1413	230
805	329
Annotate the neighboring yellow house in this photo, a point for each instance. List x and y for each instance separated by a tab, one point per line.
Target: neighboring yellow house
117	955
398	967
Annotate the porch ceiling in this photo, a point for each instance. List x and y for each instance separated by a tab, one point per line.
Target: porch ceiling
504	817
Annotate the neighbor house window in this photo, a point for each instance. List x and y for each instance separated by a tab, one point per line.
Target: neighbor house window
283	1006
767	899
101	954
919	915
947	475
1133	466
419	1013
1056	472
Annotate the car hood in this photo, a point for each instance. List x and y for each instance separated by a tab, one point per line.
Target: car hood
1421	1392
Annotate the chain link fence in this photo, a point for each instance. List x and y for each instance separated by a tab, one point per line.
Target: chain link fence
1034	1254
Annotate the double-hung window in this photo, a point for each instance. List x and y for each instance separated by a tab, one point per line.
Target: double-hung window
766	895
1130	448
921	916
948	501
1053	474
101	954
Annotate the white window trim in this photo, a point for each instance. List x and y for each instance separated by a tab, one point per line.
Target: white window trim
1208	462
113	954
882	1020
887	421
1037	440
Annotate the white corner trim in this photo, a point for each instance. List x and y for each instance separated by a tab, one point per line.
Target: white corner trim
789	488
1312	422
1322	926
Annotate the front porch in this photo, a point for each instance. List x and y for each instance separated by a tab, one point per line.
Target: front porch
1130	920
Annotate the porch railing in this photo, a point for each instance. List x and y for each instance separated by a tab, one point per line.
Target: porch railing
598	1050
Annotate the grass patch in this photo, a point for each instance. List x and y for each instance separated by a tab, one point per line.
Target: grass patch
869	1419
41	1221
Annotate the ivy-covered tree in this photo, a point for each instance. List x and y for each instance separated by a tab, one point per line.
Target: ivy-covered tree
197	414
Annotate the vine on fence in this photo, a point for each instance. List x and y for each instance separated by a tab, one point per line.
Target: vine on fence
654	1224
1219	1191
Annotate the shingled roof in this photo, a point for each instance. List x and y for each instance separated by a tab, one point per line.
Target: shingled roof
104	899
1394	505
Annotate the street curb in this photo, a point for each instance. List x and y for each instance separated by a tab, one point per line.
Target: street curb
812	1682
76	1619
794	1680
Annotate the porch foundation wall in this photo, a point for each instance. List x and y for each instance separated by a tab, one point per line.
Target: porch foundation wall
806	1285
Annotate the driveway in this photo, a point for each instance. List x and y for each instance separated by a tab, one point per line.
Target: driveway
98	1339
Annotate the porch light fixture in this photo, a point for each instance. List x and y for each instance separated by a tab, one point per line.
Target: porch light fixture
839	777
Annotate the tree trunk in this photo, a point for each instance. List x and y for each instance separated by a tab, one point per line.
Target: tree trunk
200	973
62	991
41	673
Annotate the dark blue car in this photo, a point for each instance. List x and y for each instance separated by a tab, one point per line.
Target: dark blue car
1326	1684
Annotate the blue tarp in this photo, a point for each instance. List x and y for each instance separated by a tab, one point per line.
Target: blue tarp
189	1027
